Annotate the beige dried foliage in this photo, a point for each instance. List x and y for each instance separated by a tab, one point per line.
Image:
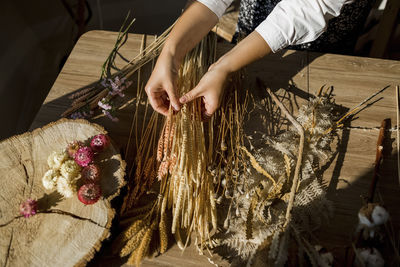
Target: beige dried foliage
257	166
249	219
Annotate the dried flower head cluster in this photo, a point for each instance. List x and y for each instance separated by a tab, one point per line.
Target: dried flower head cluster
63	175
75	165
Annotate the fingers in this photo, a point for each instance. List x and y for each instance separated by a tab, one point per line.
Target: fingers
191	95
158	100
205	115
173	99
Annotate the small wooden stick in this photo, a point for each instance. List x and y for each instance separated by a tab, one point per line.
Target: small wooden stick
299	157
397	130
386	124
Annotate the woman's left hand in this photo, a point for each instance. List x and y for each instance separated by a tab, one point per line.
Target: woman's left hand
210	88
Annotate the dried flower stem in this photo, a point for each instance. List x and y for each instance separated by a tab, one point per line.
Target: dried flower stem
397	131
296	177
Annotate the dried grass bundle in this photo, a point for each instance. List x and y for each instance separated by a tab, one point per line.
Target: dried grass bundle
187	159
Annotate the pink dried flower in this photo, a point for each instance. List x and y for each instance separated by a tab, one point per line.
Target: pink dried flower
91	173
89	193
104	105
108	114
73	147
99	142
84	156
28	208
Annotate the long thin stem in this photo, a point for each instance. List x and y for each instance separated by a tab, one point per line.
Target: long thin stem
296	177
397	131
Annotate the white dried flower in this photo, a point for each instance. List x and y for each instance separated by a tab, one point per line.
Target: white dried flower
49	179
364	220
326	258
372	215
56	159
371	257
379	215
65	187
70	170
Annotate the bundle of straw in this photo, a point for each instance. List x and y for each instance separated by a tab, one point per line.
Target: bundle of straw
189	157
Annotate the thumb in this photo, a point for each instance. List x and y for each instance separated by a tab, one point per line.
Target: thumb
191	95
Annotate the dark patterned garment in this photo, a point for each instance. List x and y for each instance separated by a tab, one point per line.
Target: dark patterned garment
341	33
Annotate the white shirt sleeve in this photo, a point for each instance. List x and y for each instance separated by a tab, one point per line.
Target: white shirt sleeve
217	6
294	22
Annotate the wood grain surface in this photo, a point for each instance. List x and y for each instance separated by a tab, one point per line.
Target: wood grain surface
297	75
64	232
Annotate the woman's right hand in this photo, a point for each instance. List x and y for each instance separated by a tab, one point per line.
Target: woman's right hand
161	87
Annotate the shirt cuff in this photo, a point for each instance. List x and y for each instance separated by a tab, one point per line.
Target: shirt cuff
272	34
217	6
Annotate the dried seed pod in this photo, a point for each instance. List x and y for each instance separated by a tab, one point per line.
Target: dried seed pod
148	168
249	219
167	134
163	233
177	208
163	169
160	146
133	243
144	246
127	234
172	136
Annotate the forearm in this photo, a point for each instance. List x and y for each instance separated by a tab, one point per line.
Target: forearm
250	49
192	26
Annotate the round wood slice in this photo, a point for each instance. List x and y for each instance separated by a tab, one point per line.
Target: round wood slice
65	232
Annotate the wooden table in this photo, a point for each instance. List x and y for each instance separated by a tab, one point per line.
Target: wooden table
301	74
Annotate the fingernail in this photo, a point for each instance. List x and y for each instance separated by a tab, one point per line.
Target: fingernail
183	99
176	107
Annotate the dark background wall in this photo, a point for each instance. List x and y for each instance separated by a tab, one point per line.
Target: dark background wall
37	37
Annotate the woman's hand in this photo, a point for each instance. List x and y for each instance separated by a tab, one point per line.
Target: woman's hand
161	87
192	26
210	88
